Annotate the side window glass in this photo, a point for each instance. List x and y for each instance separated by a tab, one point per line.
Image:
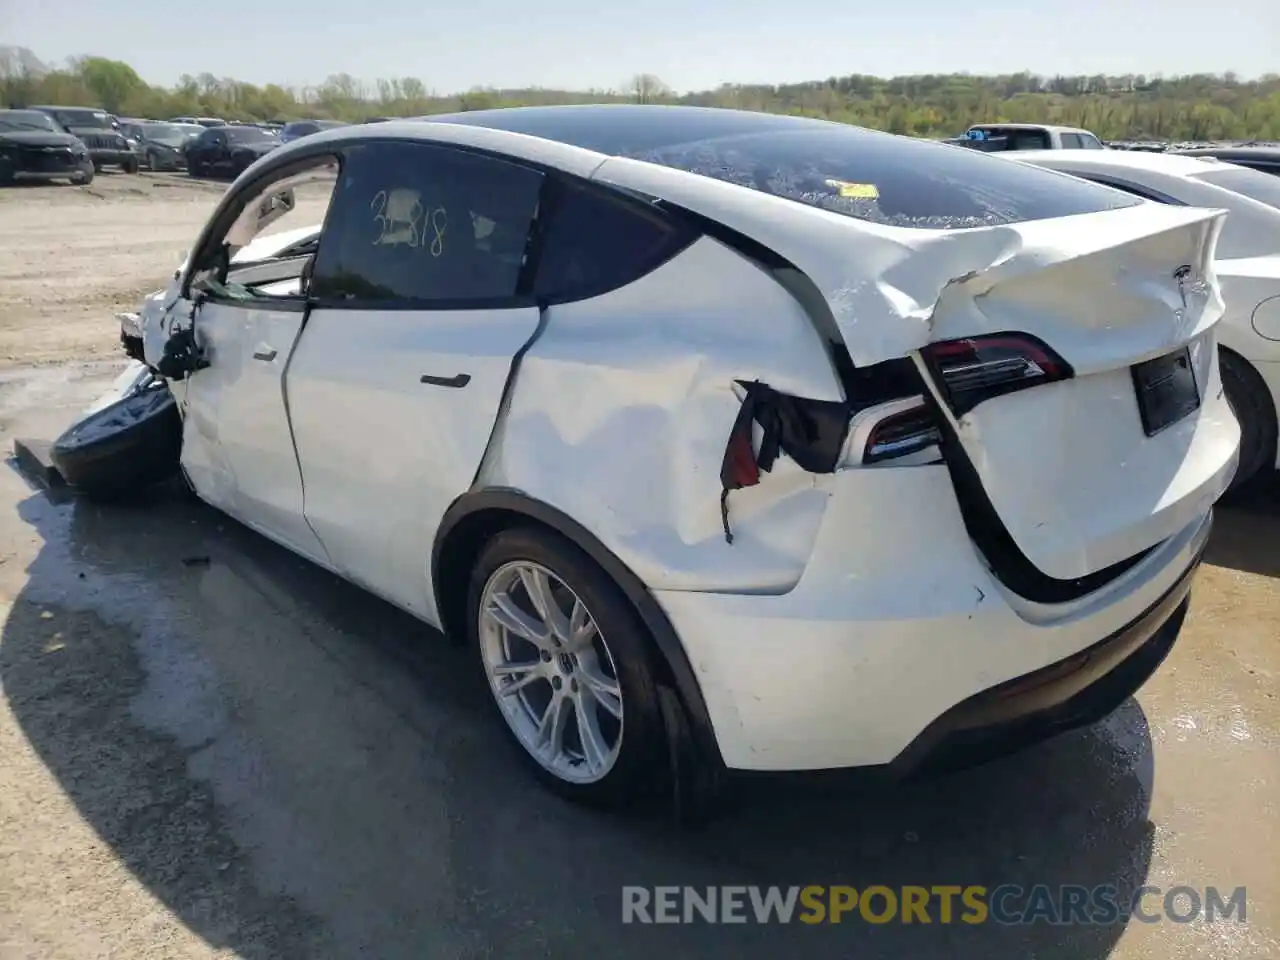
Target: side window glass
594	242
1071	141
269	251
416	223
1090	142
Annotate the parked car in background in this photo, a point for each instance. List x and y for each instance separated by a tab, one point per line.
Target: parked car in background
227	150
34	147
1262	159
304	128
200	121
1247	265
999	137
108	147
892	454
162	146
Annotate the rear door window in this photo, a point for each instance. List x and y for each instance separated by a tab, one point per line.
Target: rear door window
1071	141
595	241
890	180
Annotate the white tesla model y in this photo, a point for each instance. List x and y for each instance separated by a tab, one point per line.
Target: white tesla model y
804	445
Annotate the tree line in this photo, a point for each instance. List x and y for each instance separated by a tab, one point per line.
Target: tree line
1192	107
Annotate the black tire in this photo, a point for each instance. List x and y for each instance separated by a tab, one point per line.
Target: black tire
124	448
638	769
130	165
1251	402
6	173
84	177
97	167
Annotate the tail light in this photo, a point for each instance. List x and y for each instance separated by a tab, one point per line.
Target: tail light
901	435
892	430
975	369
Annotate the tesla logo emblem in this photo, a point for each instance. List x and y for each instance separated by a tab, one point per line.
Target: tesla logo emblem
1182	275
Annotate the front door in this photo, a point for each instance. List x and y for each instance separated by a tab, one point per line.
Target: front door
251	300
398	378
238	447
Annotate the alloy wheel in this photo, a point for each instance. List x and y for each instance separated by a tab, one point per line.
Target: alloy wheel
551	672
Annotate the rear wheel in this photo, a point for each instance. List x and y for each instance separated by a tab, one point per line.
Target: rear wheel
84	176
1250	401
123	448
569	666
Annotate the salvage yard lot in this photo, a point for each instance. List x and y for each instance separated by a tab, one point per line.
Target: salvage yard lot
211	748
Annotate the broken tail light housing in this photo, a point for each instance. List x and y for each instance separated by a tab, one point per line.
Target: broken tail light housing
973	369
901	434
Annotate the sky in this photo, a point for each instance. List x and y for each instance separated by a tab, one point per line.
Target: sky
689	44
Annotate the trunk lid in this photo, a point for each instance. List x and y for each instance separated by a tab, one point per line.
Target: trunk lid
1088	471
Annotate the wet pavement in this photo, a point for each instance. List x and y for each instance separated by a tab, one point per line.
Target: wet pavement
209	747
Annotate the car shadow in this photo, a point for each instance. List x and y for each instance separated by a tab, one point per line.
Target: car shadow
1246	533
295	768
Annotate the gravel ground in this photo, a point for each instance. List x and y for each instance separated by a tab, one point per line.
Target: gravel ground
209	748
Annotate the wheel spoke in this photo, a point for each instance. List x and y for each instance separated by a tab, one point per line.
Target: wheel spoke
506	614
582	629
538	586
552	726
521	674
603	690
595	753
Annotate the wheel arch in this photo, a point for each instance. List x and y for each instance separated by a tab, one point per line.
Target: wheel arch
476	515
1262	394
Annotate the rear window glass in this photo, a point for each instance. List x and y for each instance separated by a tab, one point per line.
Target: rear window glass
850	170
890	180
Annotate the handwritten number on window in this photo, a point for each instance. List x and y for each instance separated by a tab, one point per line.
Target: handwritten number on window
402	219
439	222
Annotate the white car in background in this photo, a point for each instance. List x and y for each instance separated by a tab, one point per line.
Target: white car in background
1248	267
765	441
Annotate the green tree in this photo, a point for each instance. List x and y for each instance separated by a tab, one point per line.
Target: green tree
111	82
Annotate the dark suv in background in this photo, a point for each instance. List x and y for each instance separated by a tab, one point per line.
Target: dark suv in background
161	146
226	151
33	147
107	145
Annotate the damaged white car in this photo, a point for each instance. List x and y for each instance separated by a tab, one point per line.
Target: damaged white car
785	443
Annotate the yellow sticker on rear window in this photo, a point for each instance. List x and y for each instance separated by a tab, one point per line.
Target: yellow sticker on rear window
855	191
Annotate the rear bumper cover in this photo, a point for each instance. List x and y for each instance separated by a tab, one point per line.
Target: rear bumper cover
895	624
1072	693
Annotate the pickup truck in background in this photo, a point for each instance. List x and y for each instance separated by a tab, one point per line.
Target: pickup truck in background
997	137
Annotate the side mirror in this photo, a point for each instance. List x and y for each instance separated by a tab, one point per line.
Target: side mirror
274	206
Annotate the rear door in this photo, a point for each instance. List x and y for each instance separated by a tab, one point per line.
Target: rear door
396	383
